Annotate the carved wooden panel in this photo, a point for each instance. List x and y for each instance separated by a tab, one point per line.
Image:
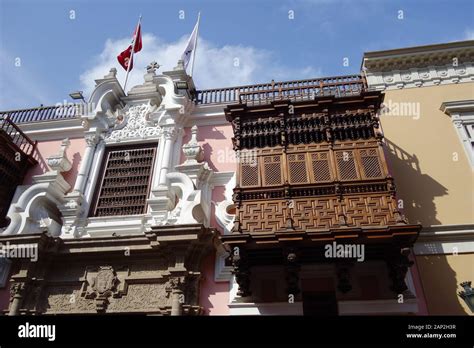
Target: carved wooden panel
315	213
263	216
318	213
370	210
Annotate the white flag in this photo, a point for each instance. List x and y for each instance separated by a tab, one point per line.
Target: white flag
191	46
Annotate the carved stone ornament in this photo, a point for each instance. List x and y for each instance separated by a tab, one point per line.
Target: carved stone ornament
102	286
192	150
134	125
152	67
105	281
60	162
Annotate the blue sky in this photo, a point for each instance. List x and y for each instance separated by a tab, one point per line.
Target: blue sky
59	54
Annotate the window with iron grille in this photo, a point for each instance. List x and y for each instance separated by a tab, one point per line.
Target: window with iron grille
370	163
297	168
125	180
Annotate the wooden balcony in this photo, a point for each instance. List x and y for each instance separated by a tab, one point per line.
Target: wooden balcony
16	156
298	90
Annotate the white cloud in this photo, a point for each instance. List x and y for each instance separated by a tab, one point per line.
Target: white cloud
469	34
229	65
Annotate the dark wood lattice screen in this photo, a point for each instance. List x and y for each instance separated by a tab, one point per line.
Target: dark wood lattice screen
370	163
346	165
272	170
297	168
249	169
321	166
249	175
125	181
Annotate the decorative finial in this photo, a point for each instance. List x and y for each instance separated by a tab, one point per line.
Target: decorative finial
192	150
60	162
180	65
151	68
112	73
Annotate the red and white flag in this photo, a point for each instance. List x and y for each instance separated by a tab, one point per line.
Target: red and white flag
125	58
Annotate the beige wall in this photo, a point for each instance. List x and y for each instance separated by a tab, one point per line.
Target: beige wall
441	276
435	188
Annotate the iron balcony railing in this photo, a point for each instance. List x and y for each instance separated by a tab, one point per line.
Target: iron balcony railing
298	90
43	113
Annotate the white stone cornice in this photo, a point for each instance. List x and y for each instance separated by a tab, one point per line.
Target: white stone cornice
458	106
420	56
53	130
420	77
445	239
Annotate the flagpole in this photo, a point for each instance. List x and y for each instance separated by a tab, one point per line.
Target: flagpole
133	52
195	44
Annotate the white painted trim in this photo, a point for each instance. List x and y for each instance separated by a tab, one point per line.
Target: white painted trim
54	129
462	116
221	178
92	178
118	225
409	306
273	308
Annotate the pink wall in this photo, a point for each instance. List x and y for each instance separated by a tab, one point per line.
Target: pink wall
217	145
214	296
47	148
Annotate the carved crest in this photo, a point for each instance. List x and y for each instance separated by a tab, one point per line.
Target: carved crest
105	281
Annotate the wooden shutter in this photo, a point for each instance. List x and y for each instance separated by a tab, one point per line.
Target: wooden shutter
297	172
321	166
272	171
346	165
370	163
249	169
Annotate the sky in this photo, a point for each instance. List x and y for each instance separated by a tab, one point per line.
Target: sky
51	48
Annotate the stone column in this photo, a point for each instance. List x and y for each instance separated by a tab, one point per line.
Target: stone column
16	297
92	140
176	302
169	133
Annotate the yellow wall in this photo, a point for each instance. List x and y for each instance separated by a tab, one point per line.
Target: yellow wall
441	276
435	189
